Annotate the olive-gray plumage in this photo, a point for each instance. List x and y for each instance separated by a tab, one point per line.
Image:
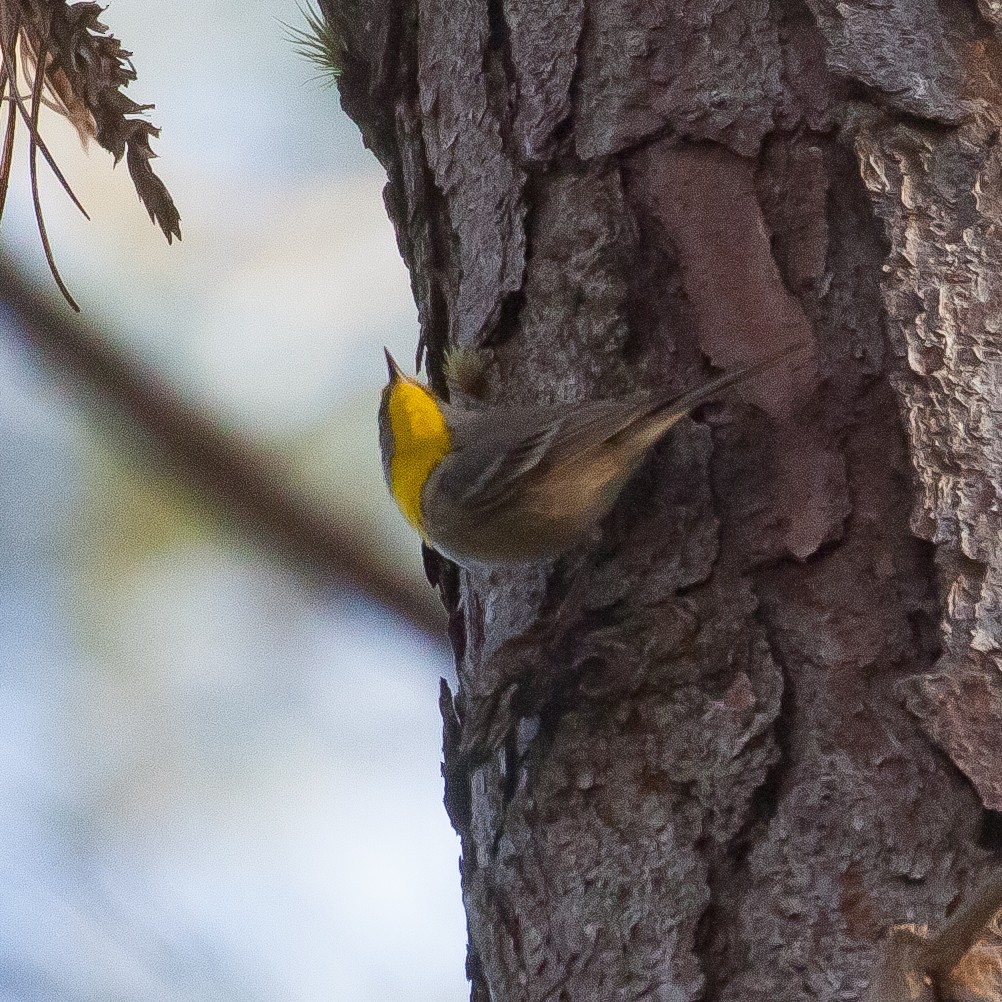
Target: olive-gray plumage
524	484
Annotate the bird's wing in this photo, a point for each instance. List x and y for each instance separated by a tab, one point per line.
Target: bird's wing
488	475
497	453
520	443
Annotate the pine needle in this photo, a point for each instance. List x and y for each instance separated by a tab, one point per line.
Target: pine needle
318	42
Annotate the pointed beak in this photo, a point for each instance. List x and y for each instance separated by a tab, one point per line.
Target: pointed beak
391	366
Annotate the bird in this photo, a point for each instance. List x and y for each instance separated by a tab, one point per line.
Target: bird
505	486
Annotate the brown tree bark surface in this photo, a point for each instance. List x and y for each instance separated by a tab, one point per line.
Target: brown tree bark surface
716	751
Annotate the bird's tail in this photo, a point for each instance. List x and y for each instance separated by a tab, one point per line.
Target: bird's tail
677	407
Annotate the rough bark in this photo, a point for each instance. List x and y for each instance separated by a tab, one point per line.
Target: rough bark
716	751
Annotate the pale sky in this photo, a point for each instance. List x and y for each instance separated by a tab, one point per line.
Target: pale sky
213	782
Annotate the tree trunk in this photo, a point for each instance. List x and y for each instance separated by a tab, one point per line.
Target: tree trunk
718	749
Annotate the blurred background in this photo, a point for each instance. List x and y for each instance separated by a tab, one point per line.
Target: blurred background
219	734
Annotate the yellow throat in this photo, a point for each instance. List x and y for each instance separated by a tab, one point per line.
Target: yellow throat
420	442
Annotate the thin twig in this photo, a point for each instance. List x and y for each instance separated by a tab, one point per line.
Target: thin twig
36	104
8	145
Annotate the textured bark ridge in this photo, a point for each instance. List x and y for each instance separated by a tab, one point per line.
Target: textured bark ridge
720	748
940	196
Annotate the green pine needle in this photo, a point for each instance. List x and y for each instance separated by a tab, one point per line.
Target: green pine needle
318	42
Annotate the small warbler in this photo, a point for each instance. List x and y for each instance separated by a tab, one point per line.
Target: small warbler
509	486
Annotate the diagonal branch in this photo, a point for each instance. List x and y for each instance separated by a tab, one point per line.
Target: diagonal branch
237	478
